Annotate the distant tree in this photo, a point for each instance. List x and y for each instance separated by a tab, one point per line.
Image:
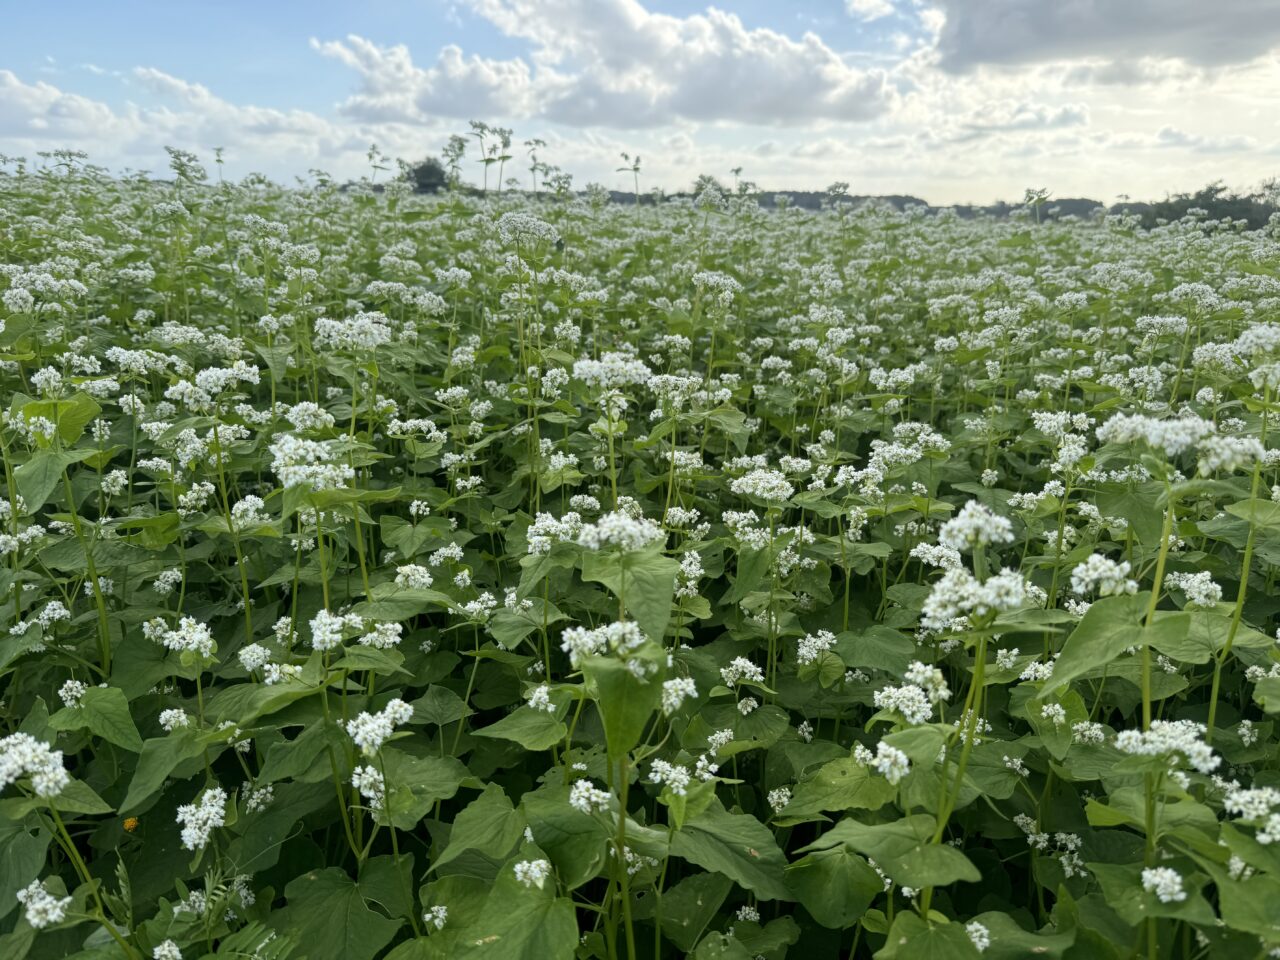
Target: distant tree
1215	201
427	176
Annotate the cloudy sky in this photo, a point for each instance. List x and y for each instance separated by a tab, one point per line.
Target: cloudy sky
950	100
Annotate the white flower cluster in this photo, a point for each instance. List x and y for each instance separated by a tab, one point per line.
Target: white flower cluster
1171	738
22	755
768	485
366	331
621	530
959	593
740	669
979	935
546	531
1256	805
539	698
368	780
676	777
930	679
1199	587
533	873
675	692
975	525
311	463
190	635
1171	436
413	576
522	228
327	628
1103	576
1165	883
620	637
42	908
908	699
200	819
891	763
585	797
611	371
811	645
371	730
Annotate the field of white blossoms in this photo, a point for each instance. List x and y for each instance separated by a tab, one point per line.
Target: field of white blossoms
531	578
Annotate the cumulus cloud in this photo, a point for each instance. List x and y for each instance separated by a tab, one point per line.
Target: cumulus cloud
1008	32
41	116
613	63
393	88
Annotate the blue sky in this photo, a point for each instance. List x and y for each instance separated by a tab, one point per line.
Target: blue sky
952	100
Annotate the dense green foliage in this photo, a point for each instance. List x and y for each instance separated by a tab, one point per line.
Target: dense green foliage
486	576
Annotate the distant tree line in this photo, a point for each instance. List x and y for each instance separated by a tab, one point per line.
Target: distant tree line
1215	201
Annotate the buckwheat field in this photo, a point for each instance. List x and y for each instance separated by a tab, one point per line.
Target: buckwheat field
541	577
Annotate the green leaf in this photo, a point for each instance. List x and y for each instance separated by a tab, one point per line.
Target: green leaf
38	477
877	648
104	712
21	861
913	938
1011	942
440	706
1251	905
382	662
329	909
737	845
78	797
625	701
835	885
532	729
842	784
158	758
690	905
521	922
644	581
416	784
489	826
71	415
1260	513
904	850
388	882
1110	627
576	843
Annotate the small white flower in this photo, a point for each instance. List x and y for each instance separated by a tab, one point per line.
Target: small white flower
199	819
533	873
1165	883
585	797
42	907
979	935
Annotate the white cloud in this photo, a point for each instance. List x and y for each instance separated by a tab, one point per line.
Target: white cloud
393	88
1010	116
1027	31
1173	137
868	9
39	116
612	63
